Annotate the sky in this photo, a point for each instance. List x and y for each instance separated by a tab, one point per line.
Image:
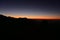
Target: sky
46	9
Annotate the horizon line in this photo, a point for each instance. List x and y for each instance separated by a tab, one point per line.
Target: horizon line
30	17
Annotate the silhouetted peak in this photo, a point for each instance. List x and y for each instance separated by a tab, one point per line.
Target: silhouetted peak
22	18
2	16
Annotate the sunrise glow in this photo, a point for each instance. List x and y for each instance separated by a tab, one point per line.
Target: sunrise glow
36	17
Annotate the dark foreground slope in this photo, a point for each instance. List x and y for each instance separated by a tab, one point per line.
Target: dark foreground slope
28	28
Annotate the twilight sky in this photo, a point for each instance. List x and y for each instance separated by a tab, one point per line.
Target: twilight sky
47	9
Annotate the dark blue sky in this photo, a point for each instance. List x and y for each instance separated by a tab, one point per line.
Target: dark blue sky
30	8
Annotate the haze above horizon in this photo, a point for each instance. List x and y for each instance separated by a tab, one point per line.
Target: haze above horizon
33	9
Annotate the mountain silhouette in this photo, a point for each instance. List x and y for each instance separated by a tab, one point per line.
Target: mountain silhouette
23	27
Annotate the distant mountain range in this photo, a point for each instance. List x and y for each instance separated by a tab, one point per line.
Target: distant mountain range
28	18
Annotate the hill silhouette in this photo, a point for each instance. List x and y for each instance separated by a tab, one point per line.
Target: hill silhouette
23	27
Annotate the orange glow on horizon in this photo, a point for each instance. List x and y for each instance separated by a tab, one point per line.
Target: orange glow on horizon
36	17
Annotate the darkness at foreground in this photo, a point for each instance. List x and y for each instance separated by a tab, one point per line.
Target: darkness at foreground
24	28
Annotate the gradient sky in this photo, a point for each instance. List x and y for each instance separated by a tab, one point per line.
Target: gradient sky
31	8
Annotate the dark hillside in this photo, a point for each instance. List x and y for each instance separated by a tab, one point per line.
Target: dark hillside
23	27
